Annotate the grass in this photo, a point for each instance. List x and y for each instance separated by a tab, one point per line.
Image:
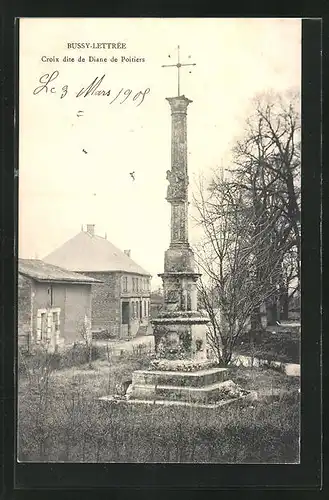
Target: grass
61	419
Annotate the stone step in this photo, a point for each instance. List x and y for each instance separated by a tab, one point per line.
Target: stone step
167	402
199	378
207	394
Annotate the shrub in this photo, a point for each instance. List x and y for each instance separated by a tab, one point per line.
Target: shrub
64	421
273	346
77	354
39	357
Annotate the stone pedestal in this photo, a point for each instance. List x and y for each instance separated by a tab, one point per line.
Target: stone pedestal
199	387
181	335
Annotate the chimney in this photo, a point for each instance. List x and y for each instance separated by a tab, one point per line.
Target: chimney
91	229
127	252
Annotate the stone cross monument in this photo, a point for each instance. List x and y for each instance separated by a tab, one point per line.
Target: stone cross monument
180	330
181	372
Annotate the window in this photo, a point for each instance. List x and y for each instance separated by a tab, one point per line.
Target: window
43	327
124	284
56	321
144	307
137	309
48	325
134	285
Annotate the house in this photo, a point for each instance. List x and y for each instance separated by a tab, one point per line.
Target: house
156	302
53	303
121	304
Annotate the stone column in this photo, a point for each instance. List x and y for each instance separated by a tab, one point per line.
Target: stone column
179	326
177	176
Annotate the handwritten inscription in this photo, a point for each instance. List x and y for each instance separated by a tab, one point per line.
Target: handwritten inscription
95	88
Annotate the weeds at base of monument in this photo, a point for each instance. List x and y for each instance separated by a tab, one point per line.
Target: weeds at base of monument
228	392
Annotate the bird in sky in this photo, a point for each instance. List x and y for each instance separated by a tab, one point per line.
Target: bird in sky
132	175
84	151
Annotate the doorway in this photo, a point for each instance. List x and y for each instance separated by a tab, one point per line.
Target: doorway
125	320
125	313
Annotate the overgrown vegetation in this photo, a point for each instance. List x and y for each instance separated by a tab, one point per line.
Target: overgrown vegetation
39	358
284	347
249	253
62	419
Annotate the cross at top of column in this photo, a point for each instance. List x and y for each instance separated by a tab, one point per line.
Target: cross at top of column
178	65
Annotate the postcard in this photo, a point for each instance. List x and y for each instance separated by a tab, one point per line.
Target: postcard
159	240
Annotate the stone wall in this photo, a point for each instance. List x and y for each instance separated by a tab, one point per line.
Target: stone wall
24	311
42	300
74	301
108	296
105	302
77	307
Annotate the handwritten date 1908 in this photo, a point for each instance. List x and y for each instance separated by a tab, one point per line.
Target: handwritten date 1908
93	89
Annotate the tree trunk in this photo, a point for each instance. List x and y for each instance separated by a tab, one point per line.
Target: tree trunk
272	314
90	356
255	321
284	305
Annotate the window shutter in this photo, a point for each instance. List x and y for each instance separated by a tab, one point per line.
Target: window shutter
38	326
49	324
87	323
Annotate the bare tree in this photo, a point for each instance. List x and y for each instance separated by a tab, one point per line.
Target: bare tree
267	170
239	256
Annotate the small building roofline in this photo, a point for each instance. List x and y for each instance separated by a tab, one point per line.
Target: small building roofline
60	281
146	274
41	271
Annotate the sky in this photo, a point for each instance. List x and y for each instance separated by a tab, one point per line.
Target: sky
62	187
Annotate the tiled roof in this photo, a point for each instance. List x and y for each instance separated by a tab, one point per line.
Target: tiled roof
42	271
90	253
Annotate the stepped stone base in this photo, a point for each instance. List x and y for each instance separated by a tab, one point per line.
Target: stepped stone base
201	386
166	402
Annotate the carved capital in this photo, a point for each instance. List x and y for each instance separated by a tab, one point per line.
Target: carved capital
178	104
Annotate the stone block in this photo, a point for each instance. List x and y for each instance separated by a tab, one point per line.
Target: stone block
201	386
207	394
185	379
179	259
